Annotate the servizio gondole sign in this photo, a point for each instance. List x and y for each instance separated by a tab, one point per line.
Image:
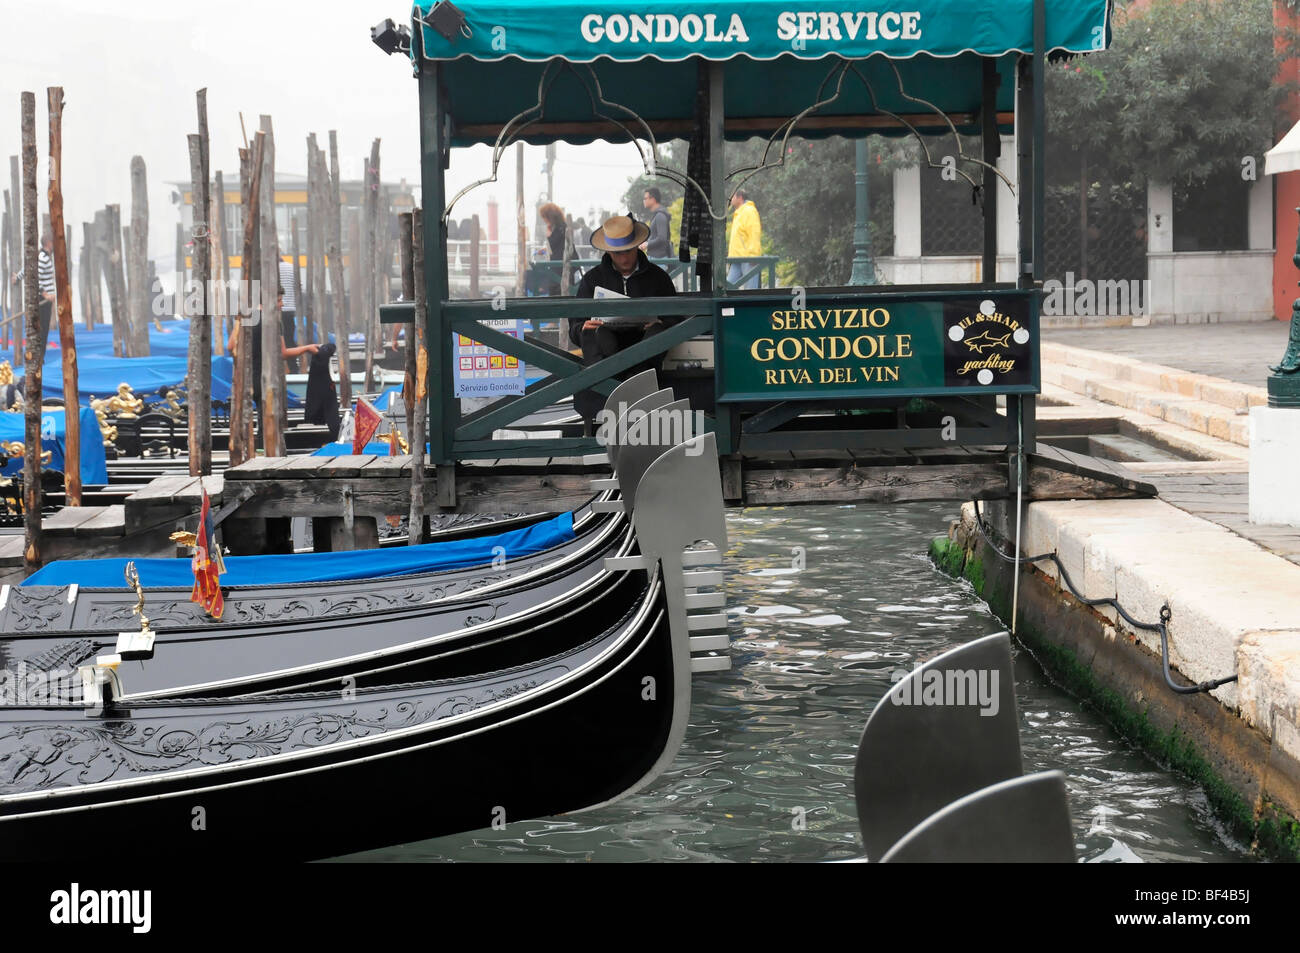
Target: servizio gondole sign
906	345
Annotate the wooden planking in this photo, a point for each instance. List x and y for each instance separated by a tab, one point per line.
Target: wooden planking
163	489
380	496
299	467
958	482
258	468
66	520
390	466
11	551
347	465
192	495
109	521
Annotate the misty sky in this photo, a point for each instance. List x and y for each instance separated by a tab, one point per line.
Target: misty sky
130	70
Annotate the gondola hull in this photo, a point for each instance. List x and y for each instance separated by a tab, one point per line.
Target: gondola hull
444	640
81	609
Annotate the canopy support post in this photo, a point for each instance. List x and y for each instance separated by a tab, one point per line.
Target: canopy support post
443	409
992	147
718	174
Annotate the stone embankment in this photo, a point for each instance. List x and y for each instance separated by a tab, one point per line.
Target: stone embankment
1233	602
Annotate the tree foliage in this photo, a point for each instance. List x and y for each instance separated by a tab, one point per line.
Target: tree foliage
1186	90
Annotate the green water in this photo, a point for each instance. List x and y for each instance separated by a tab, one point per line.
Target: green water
774	739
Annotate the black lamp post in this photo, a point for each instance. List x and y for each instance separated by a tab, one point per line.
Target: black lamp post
864	271
1284	382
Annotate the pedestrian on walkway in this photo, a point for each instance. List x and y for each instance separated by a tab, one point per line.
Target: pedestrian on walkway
745	241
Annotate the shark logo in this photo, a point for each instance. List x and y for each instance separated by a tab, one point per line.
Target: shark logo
986	341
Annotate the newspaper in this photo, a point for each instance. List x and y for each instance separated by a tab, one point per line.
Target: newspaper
616	322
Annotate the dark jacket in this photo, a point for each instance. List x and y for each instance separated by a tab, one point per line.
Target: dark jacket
322	399
646	281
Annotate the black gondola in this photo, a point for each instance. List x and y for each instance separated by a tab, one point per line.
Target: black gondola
242	777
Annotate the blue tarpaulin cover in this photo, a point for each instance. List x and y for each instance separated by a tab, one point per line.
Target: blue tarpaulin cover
94	466
99	372
315	567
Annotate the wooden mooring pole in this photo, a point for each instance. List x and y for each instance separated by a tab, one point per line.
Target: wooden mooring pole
138	310
35	346
272	365
63	296
200	345
338	289
17	253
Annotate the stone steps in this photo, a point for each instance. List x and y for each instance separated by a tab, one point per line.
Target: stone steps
1212	406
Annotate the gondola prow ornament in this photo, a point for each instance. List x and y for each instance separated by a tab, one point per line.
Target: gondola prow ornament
100	683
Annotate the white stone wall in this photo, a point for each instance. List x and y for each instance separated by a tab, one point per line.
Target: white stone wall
1207	286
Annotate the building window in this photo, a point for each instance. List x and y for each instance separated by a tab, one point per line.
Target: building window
1212	216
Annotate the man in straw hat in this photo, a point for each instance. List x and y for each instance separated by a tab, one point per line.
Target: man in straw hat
624	270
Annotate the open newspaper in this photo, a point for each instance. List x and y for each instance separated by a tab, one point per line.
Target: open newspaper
616	322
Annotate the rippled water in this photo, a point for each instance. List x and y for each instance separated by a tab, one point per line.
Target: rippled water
813	649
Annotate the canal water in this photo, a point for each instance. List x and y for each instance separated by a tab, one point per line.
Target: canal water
825	603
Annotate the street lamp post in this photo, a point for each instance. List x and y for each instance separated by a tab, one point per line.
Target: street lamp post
864	271
1284	382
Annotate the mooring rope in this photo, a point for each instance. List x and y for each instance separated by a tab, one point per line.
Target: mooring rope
1162	626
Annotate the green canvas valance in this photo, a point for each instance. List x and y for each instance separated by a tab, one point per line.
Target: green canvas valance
670	30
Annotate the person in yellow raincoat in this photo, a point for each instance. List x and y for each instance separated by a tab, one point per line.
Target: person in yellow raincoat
745	240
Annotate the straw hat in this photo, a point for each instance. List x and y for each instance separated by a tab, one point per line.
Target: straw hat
620	233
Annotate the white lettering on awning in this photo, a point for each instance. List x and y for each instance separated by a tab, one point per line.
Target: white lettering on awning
662	28
829	25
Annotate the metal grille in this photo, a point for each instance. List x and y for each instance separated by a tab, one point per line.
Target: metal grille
1111	245
1212	216
1102	238
951	224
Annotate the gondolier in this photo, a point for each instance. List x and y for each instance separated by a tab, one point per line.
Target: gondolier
44	283
626	272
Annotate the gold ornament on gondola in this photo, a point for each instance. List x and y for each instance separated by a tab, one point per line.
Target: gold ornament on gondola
133	580
394	435
17	449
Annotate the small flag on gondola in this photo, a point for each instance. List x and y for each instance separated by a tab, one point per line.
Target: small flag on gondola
394	442
366	422
208	564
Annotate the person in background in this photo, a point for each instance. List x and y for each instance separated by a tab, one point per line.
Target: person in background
745	240
660	243
44	284
289	309
553	216
254	335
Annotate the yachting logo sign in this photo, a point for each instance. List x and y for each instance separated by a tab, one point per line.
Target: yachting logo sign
986	343
76	906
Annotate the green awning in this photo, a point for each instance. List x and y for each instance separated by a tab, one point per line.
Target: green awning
760	29
925	58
